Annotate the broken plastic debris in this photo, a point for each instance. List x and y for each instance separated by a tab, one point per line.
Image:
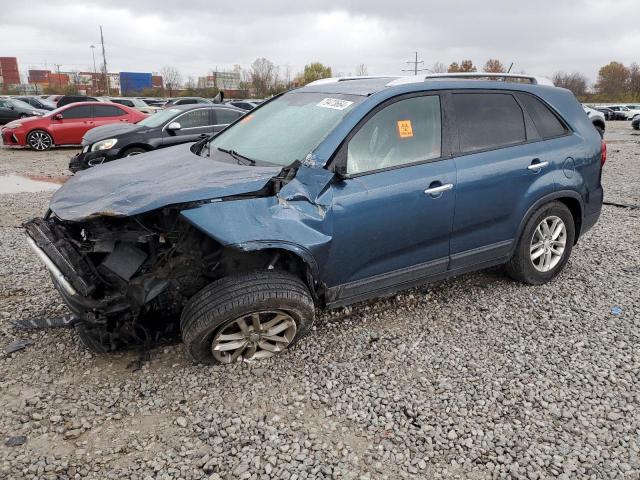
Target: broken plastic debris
616	310
65	321
17	345
16	441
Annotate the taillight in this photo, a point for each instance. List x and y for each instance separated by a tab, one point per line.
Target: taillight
603	153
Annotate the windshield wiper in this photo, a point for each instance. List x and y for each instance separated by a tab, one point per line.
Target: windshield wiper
237	156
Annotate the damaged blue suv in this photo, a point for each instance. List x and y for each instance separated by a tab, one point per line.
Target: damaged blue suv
340	191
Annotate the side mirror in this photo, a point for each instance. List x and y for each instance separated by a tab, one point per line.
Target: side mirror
173	126
58	116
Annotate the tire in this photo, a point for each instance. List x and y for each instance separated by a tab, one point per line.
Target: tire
522	267
226	303
39	140
133	151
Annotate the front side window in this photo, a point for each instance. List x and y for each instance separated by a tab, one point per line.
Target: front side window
82	111
404	132
107	111
195	118
488	120
286	129
159	118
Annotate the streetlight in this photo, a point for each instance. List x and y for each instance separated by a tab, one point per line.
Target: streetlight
93	77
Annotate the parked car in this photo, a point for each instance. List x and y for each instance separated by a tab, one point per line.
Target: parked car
154	102
597	118
67	99
633	110
181	124
607	112
134	103
186	101
621	112
12	109
243	104
635	123
66	125
53	99
321	197
37	102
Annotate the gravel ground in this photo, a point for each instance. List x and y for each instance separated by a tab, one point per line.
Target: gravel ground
475	377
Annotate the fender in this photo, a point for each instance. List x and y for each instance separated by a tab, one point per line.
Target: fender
546	199
298	250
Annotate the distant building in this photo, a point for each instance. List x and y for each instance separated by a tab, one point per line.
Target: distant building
221	80
9	74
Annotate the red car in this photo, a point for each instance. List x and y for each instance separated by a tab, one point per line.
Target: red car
66	125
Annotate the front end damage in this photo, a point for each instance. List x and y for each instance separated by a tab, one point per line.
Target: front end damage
126	276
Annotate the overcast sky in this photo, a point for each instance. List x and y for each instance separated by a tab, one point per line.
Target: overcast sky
540	37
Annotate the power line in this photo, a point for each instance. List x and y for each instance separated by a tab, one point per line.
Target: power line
415	64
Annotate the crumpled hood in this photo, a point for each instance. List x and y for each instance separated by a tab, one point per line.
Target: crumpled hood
109	131
145	182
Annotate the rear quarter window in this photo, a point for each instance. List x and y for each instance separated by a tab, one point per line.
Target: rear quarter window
546	122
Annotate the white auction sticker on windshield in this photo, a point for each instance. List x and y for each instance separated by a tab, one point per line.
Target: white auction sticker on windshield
335	103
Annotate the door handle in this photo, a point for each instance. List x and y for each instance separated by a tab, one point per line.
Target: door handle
439	189
537	166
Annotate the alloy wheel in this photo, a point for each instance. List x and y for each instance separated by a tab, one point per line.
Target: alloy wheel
548	243
257	335
39	141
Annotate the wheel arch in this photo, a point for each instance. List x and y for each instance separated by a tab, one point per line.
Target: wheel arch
144	146
599	123
41	129
570	198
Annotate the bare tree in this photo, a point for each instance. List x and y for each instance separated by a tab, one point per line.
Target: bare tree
262	76
362	70
439	67
634	81
576	82
171	78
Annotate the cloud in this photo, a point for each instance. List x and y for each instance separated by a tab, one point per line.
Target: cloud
196	36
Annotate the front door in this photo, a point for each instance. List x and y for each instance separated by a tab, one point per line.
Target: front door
7	113
194	125
392	215
75	121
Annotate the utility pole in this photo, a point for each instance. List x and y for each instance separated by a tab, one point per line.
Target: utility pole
104	63
57	65
93	77
415	64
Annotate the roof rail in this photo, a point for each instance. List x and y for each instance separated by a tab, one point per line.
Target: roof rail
323	81
503	77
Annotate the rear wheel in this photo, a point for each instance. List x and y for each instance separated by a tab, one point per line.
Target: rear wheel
39	140
247	316
544	246
133	151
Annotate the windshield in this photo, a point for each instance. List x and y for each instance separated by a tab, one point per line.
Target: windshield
159	118
286	129
20	104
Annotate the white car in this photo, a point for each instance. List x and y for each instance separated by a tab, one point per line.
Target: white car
596	117
634	109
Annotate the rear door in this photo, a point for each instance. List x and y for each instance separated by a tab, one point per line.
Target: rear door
223	117
106	114
7	114
75	121
504	166
194	125
392	216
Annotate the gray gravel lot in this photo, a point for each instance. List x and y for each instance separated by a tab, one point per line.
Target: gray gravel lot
475	377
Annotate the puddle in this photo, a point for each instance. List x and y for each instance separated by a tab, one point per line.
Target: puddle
31	183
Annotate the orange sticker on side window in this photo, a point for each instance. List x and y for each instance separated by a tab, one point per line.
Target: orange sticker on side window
404	129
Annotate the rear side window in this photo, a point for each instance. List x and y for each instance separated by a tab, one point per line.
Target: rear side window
107	111
82	111
404	132
488	120
546	122
127	103
225	116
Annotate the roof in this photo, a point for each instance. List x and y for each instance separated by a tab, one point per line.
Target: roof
369	85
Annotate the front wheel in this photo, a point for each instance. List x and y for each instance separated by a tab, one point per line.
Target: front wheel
544	246
133	151
247	316
39	140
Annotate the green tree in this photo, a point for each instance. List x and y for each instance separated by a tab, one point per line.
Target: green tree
315	71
